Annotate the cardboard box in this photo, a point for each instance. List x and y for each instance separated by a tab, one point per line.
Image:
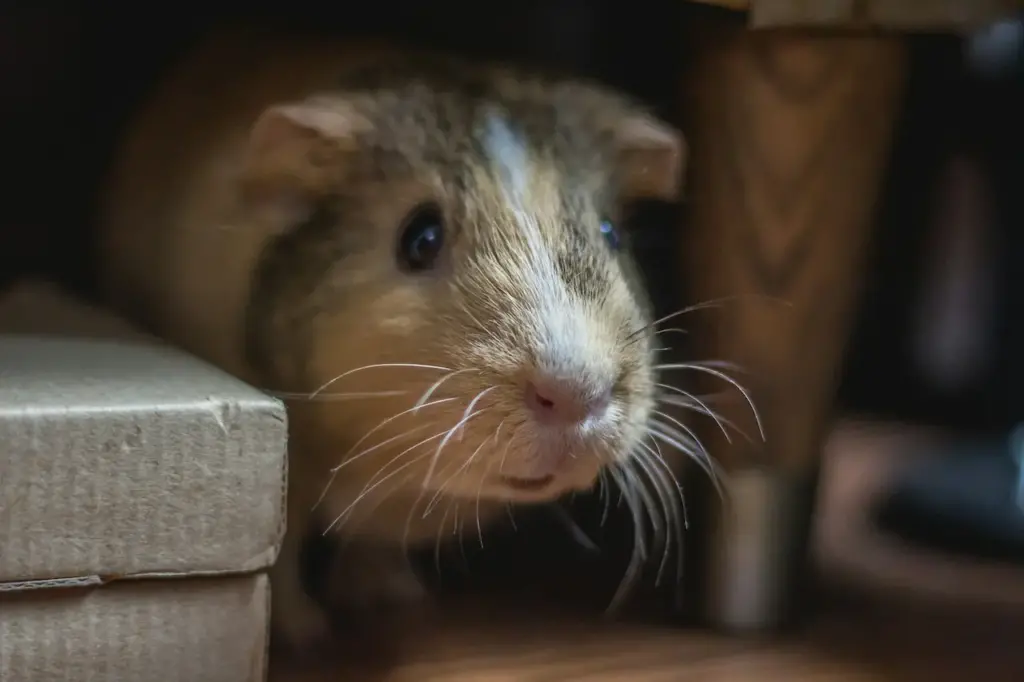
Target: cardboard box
141	501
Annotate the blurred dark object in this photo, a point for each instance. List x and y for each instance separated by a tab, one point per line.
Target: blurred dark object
964	99
40	79
968	500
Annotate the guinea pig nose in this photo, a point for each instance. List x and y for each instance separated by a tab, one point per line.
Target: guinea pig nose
562	401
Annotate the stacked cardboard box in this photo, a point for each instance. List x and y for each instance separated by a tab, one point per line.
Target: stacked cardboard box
141	502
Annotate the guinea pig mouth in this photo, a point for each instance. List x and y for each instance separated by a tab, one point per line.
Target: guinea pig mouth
528	484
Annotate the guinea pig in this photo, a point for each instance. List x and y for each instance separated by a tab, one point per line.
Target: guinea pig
423	256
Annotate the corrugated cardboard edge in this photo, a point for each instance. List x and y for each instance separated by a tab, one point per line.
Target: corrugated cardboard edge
203	630
77	582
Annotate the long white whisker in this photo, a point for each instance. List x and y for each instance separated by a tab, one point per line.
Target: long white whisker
341	376
511	517
649	504
330	397
668	436
681	515
440	533
699	403
370	483
669	493
686	445
685	434
335	470
437	384
367	491
712	303
437	453
479	489
465	418
347	458
465	465
480	485
724	377
687	404
639	552
378	501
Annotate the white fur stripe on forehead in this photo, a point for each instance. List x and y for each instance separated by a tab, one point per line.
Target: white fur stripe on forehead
561	322
516	173
506	149
521	189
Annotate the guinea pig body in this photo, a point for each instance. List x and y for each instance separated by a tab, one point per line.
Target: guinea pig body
421	255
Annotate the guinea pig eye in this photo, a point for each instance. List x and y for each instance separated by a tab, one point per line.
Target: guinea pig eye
610	234
422	238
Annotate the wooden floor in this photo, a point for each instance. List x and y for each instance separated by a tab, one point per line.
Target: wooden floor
886	614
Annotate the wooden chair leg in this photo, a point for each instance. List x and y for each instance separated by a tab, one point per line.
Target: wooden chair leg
790	133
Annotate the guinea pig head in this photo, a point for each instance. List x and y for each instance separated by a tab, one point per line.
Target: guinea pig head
451	282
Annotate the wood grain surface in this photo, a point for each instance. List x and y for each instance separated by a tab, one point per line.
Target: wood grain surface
873	625
790	137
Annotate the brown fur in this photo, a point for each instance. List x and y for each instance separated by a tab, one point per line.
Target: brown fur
264	240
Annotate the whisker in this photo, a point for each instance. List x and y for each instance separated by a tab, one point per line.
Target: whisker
575	532
681	515
712	303
714	364
479	489
639	552
335	470
440	533
699	403
669	437
606	494
330	397
504	453
378	501
667	470
370	485
686	445
424	486
684	434
480	486
649	504
367	491
466	416
725	377
703	409
347	458
440	489
437	384
632	338
669	491
341	376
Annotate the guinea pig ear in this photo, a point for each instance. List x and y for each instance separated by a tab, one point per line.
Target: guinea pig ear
300	148
652	158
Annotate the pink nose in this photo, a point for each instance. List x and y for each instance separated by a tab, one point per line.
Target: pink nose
560	401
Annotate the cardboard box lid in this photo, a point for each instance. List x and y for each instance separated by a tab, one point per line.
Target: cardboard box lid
123	457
